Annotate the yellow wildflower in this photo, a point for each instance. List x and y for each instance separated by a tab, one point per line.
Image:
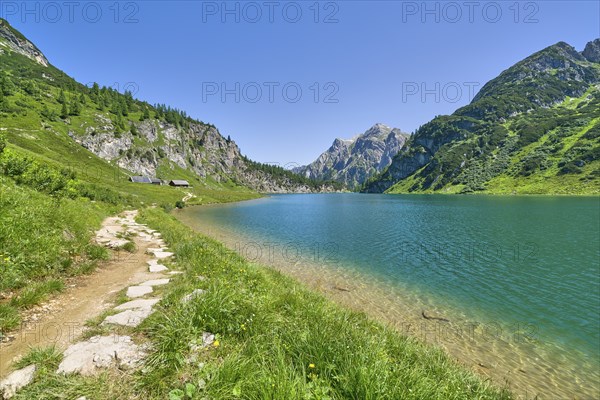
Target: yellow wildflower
311	365
216	343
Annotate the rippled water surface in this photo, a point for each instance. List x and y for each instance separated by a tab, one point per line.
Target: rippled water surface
524	267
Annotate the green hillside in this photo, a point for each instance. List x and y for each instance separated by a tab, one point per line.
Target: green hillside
532	130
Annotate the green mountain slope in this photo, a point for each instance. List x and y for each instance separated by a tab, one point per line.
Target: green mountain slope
108	136
533	129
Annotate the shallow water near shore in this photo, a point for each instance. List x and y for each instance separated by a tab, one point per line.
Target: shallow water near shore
515	280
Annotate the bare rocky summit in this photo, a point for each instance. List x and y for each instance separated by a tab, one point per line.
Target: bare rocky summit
353	161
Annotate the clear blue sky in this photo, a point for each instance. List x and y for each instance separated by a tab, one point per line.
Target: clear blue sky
373	57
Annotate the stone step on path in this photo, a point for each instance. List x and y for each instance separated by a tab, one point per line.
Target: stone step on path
138	304
145	288
156	282
130	318
133	313
154	266
161	255
101	352
134	292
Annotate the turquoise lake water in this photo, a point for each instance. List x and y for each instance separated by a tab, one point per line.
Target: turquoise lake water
530	262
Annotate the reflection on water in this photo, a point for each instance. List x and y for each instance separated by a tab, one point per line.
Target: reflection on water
508	291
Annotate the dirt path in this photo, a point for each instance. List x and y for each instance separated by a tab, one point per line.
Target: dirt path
61	321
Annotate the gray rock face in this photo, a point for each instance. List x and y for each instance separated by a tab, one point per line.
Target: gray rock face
198	148
12	39
592	51
354	161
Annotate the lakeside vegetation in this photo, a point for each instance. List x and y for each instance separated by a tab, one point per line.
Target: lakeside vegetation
273	339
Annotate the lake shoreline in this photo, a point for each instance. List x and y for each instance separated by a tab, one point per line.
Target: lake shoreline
407	315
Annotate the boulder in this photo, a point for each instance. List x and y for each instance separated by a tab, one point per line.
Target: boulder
16	380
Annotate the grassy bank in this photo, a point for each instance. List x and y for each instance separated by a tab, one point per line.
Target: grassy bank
274	340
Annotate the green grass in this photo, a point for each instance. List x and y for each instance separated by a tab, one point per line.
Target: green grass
36	292
276	340
9	318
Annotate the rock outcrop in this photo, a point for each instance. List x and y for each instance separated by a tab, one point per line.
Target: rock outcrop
13	40
592	51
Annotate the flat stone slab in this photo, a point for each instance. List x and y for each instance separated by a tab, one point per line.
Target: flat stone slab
175	273
138	291
137	304
131	318
117	243
98	352
156	282
157	268
189	297
156	249
162	254
16	380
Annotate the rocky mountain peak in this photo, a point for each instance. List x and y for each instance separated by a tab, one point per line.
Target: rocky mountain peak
592	51
377	129
12	39
353	161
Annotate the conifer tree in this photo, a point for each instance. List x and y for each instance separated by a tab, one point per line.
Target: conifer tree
61	97
64	112
75	107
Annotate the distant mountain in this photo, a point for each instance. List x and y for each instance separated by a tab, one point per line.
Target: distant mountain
351	162
533	129
43	110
